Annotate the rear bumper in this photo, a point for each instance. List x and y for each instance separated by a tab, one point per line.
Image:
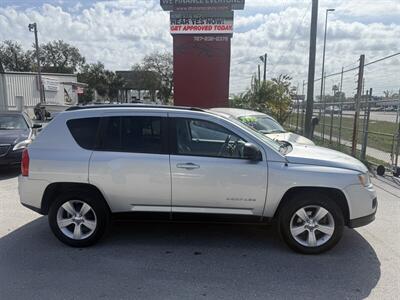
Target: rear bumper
31	192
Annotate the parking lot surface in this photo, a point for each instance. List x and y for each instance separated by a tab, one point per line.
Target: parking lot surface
195	261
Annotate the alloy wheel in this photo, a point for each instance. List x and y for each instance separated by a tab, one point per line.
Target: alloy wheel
312	226
76	219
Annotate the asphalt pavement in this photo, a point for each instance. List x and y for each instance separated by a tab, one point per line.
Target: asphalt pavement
195	261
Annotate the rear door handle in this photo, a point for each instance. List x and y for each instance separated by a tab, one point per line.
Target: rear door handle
188	166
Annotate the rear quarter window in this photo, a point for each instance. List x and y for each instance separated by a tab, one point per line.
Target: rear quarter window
84	131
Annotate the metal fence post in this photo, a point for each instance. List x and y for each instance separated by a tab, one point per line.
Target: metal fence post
331	129
358	100
398	135
298	111
366	125
323	100
340	124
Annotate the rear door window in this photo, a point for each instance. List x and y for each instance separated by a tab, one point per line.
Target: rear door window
134	134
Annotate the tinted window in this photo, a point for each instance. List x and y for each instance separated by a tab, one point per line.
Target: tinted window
203	138
133	134
84	131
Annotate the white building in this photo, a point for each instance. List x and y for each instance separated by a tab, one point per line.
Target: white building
20	90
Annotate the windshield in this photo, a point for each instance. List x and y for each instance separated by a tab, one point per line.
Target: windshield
263	124
270	142
12	123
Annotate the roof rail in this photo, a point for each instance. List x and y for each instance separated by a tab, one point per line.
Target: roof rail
81	107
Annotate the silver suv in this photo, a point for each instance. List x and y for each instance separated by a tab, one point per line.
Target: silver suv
94	162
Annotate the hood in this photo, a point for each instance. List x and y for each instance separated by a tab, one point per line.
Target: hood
314	155
291	138
13	136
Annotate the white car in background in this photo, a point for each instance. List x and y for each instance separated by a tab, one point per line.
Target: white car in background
263	123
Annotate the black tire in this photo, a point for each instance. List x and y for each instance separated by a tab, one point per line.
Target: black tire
307	199
101	212
380	170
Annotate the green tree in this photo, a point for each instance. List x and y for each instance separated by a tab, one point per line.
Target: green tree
95	76
148	80
161	64
60	57
273	97
14	58
104	82
115	84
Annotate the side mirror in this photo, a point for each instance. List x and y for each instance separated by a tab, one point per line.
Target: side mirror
251	152
37	126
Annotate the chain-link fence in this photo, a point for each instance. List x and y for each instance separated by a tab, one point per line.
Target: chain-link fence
357	114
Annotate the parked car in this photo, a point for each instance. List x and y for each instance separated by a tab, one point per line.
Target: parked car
16	132
264	124
94	162
333	109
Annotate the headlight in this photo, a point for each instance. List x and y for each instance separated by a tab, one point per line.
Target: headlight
365	180
22	145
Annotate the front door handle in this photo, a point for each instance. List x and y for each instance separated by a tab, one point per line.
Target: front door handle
188	166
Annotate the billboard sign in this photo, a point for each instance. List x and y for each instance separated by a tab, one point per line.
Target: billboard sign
49	84
203	5
202	23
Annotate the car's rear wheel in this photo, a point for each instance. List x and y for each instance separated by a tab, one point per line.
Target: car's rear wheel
311	223
78	219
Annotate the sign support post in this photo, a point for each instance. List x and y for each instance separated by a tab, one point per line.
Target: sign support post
202	33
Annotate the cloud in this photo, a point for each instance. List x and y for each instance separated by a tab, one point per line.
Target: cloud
121	33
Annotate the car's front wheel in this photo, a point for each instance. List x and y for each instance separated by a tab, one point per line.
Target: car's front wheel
311	223
78	219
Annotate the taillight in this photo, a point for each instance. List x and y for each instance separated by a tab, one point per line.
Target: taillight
25	163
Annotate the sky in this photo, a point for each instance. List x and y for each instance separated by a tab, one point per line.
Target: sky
120	33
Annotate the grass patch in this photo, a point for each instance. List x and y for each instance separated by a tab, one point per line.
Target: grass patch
381	134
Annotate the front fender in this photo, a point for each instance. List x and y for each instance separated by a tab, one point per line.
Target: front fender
283	177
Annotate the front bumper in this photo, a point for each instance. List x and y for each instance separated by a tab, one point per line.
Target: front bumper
362	202
359	222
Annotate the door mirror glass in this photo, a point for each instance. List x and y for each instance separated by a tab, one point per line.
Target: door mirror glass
252	152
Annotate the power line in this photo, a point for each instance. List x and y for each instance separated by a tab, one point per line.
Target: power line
356	68
292	39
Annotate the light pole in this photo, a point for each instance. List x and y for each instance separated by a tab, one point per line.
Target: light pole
264	58
33	28
311	70
323	70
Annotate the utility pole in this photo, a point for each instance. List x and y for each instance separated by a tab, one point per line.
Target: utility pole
358	100
311	70
33	28
264	59
259	75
